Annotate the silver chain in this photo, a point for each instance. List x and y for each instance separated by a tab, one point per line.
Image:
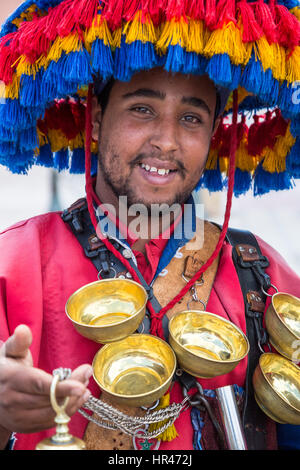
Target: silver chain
111	418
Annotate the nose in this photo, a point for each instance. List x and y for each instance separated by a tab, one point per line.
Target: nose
165	136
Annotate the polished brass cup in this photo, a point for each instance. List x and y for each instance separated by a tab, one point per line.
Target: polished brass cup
283	324
205	344
135	371
107	310
276	382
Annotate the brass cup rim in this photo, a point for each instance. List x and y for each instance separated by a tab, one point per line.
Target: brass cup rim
132	397
225	361
282	397
293	333
103	327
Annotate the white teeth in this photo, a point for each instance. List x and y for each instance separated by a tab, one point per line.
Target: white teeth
153	169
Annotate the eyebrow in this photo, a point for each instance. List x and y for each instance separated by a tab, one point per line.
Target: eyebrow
150	93
197	102
145	92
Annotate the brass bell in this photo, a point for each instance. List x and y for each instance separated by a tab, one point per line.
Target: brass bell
62	439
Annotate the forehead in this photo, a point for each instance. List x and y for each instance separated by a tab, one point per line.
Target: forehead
169	85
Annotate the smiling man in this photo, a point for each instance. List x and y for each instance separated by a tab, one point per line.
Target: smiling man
152	110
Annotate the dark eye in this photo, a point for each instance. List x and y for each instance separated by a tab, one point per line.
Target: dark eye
141	109
189	118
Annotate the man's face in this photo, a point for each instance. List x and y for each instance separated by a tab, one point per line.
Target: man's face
155	136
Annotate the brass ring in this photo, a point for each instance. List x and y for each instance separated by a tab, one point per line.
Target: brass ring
59	409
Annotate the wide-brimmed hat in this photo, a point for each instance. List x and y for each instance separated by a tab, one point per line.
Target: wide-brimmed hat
52	50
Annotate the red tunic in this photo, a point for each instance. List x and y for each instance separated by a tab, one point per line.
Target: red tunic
42	264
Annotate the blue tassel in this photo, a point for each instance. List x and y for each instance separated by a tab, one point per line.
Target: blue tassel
7	148
264	182
295	126
211	180
45	157
13	114
102	59
61	160
19	163
141	56
28	139
253	76
77	68
270	88
289	100
242	182
293	160
94	164
78	161
122	69
175	59
223	72
198	424
30	90
8	134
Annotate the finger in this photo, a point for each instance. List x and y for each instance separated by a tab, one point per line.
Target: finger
17	346
83	373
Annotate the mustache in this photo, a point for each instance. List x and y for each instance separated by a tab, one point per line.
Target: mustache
142	156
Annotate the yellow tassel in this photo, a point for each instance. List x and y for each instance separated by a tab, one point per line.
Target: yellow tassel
117	36
173	32
25	67
76	143
228	40
224	164
99	30
140	29
25	16
275	159
243	93
57	139
195	39
293	66
296	12
70	43
271	56
11	91
170	433
94	147
211	163
244	161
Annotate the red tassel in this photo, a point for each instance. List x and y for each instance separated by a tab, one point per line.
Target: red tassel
130	9
225	12
211	14
277	128
175	9
252	137
196	9
113	13
67	121
264	18
86	12
251	29
8	56
220	134
78	112
288	27
32	39
55	17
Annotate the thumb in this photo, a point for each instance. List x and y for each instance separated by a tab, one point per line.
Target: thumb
17	346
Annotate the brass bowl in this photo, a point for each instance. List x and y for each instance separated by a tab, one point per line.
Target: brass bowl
205	344
283	324
276	382
135	371
107	310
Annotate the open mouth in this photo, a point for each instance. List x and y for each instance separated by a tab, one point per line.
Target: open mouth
157	171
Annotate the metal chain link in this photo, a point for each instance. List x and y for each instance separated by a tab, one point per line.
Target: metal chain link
112	418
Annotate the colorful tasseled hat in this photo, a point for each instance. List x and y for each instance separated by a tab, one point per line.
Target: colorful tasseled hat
52	50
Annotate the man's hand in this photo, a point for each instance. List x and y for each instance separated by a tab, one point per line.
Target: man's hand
25	391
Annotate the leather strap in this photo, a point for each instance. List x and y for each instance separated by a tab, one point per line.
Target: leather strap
249	264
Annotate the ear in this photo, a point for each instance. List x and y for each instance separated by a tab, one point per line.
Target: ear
96	118
216	125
